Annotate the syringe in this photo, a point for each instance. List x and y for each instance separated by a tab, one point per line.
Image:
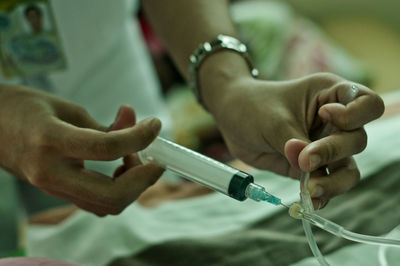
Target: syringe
206	171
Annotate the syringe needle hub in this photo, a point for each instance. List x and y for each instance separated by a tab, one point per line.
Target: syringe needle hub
258	193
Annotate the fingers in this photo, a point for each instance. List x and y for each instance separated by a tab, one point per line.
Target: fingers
125	118
332	148
293	147
88	144
75	135
343	173
95	209
100	194
319	204
342	178
352	115
76	115
276	163
130	161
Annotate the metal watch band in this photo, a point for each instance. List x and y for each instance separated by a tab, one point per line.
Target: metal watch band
220	43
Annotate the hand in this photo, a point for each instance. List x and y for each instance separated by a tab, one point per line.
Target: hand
45	141
276	125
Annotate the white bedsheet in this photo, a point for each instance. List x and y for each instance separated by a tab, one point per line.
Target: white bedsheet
87	240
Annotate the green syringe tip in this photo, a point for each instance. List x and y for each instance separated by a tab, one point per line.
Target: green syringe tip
258	193
272	199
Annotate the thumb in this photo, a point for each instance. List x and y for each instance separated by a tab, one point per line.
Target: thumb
293	147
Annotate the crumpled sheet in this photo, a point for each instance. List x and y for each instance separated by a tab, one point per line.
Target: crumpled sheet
371	208
88	240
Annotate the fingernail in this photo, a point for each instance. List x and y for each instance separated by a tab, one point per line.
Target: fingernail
317	192
316	205
322	203
351	94
324	115
155	124
315	160
119	111
116	117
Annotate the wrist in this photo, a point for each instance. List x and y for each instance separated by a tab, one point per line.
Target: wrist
219	77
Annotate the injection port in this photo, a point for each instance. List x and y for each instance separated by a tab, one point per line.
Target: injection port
296	210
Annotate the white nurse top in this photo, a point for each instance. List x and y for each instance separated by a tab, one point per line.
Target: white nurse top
107	63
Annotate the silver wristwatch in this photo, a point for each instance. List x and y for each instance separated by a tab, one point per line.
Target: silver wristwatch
220	43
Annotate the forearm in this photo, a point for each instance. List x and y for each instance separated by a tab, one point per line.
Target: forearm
183	25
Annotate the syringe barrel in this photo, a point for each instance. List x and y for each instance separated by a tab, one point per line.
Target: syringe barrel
197	167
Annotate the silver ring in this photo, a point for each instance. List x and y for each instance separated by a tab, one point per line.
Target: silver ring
353	91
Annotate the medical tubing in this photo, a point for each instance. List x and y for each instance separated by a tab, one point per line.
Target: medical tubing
383	249
339	231
308	207
313	244
366	239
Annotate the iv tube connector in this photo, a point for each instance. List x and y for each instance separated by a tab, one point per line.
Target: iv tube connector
296	211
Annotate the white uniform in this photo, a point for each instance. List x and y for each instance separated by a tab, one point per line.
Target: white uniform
107	62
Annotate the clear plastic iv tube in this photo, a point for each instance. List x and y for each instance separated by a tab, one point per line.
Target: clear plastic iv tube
307	205
305	212
339	231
